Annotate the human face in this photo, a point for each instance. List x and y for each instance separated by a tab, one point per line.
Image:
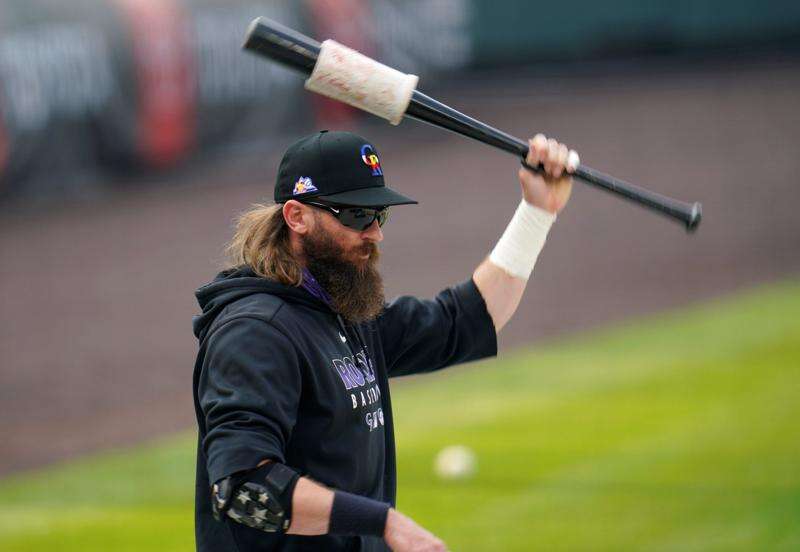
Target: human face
356	246
345	263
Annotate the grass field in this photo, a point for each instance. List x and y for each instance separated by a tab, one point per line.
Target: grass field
679	432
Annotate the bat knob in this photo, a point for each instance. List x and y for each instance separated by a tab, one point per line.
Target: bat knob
695	215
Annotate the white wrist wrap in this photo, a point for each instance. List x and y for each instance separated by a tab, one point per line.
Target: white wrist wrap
521	243
346	75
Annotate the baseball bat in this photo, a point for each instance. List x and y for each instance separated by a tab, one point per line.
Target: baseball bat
293	49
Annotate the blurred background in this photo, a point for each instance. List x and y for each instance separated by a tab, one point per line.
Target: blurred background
647	392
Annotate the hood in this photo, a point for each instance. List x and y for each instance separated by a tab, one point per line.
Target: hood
233	284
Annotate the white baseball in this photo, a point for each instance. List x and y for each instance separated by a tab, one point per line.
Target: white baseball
456	462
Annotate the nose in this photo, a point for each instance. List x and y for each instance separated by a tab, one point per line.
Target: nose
373	233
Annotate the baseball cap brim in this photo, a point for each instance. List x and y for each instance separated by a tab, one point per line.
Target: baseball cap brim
369	197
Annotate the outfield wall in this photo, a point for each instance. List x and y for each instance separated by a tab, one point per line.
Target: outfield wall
516	31
132	85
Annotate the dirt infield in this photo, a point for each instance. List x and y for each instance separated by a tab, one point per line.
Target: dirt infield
97	298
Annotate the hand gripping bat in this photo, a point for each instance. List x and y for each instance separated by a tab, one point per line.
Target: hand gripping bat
346	75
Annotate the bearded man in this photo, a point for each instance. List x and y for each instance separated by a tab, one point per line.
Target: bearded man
296	446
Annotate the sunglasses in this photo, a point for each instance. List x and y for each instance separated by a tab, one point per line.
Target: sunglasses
357	218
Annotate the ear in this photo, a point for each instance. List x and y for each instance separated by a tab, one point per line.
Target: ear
298	216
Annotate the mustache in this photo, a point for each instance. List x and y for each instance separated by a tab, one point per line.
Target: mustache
371	249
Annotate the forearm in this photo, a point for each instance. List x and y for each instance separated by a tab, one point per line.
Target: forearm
317	510
311	508
314	514
501	291
502	277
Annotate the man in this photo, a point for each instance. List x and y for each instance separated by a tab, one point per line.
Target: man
296	445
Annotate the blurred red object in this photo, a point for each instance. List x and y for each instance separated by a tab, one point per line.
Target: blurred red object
165	79
349	22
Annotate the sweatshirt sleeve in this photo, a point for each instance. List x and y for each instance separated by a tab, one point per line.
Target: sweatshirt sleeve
249	391
425	335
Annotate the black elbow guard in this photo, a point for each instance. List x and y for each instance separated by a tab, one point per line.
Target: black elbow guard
260	498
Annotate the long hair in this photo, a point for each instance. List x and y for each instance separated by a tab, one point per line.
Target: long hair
261	241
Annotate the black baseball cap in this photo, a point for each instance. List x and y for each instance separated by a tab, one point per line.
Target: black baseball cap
337	167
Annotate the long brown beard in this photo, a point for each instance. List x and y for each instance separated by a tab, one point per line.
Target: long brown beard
356	290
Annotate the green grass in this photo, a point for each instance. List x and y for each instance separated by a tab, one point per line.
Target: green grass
680	432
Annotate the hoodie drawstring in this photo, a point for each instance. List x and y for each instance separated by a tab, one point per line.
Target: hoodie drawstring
357	333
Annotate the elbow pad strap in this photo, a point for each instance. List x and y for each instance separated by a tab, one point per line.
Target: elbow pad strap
260	498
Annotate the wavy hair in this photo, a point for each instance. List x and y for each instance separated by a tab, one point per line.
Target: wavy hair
261	242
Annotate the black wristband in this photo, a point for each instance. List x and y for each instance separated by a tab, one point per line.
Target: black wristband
357	515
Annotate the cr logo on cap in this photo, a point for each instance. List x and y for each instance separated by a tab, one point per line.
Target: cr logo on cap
370	158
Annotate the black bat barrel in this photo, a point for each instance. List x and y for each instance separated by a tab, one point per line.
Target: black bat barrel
270	39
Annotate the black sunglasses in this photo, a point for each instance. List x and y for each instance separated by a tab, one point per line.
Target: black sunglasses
357	218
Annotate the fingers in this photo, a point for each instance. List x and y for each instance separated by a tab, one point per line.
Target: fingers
555	157
537	150
553	165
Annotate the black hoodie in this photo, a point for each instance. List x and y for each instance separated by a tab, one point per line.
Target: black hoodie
279	375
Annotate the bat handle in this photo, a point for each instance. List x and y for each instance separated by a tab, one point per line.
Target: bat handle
689	214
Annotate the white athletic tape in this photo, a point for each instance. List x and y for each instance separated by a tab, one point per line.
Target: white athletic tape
353	78
521	243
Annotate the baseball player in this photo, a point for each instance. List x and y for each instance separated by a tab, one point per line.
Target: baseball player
296	447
